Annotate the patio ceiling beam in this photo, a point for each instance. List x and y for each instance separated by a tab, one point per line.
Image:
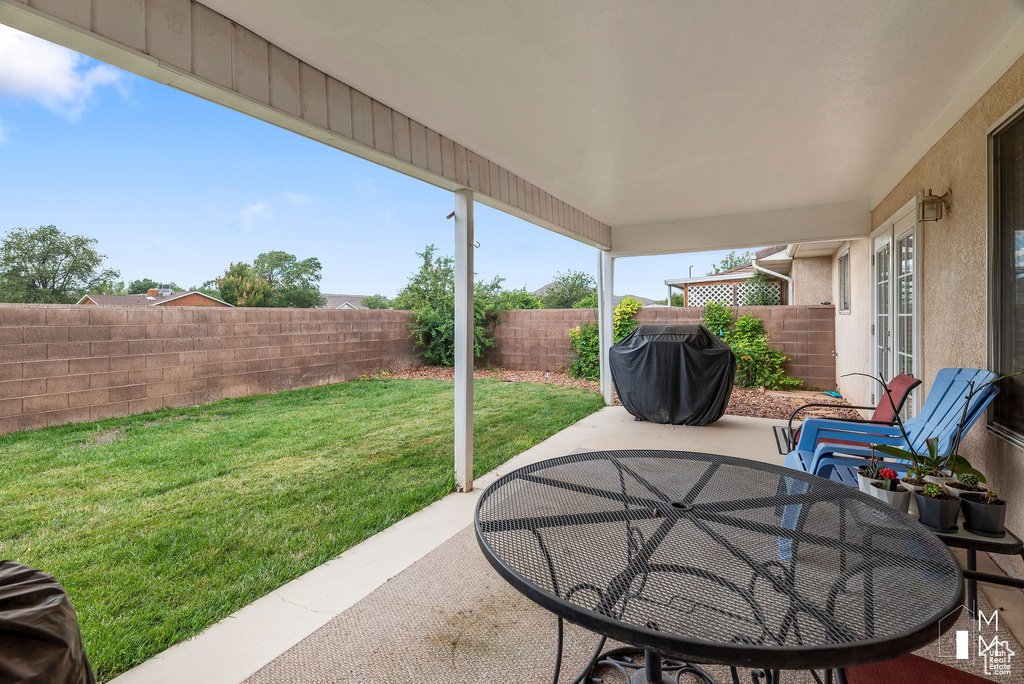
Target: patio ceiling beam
840	221
188	46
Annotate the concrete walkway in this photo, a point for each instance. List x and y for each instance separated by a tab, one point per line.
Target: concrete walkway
236	647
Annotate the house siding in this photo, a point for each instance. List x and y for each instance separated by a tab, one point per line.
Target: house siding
193	300
954	315
812	281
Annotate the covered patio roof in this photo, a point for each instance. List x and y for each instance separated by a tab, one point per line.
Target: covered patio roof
665	128
653	118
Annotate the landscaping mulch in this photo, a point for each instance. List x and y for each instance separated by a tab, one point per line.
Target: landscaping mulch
780	405
743	402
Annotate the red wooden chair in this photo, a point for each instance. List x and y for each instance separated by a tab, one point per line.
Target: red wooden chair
895	396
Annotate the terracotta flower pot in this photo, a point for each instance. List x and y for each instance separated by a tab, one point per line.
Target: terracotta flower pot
983	518
897	499
938	515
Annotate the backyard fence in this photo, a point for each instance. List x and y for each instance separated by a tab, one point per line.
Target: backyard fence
67	364
538	339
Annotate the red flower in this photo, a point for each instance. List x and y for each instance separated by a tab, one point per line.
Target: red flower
746	358
888	473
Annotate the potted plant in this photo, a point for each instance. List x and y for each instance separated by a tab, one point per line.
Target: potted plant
938	508
890	491
868	474
914	481
984	514
965	483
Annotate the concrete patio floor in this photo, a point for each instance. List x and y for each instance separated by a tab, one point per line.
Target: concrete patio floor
240	645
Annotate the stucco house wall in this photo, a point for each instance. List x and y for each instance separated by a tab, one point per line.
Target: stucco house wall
812	281
954	287
852	338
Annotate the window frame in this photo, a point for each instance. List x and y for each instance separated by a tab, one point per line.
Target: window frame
844	253
1013	435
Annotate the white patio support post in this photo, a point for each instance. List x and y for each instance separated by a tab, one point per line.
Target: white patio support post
464	340
605	306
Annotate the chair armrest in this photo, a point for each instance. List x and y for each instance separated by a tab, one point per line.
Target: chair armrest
815	429
792	416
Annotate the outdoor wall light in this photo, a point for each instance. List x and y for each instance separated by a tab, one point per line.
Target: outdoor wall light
932	206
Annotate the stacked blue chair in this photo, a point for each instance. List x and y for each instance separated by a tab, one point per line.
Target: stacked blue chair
939	417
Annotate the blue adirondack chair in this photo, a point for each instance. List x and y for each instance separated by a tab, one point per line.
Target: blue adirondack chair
938	418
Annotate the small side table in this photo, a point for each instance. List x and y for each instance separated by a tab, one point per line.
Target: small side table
1007	545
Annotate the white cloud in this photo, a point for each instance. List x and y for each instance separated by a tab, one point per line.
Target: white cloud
57	78
297	200
248	216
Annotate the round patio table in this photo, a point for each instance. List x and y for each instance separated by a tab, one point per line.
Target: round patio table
704	559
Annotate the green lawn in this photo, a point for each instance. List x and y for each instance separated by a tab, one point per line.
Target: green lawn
161	524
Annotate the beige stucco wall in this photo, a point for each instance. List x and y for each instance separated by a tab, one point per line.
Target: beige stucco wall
812	281
852	329
954	318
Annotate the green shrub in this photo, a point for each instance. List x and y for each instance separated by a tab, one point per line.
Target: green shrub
718	319
757	364
430	294
586	342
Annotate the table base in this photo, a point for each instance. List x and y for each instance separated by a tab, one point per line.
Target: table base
658	670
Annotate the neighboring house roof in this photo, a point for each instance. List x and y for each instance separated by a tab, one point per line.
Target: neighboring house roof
540	292
643	300
768	251
780	260
141	299
343	301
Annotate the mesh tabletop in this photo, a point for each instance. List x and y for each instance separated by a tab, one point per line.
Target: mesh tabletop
715	559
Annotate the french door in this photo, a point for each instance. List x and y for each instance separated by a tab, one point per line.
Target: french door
895	284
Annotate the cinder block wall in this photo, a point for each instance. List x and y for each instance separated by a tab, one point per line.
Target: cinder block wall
539	339
65	364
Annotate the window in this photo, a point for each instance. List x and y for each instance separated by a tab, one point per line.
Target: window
1006	244
844	282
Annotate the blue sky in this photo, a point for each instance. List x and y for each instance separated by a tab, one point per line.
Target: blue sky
175	188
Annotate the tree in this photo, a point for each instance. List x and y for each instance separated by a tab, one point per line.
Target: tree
429	283
112	287
376	301
731	260
46	265
294	283
510	300
760	291
430	293
588	302
240	286
568	288
144	285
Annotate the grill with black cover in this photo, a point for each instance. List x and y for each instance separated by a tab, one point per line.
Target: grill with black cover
678	374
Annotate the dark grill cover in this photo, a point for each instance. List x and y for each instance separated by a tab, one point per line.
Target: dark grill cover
39	638
679	374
